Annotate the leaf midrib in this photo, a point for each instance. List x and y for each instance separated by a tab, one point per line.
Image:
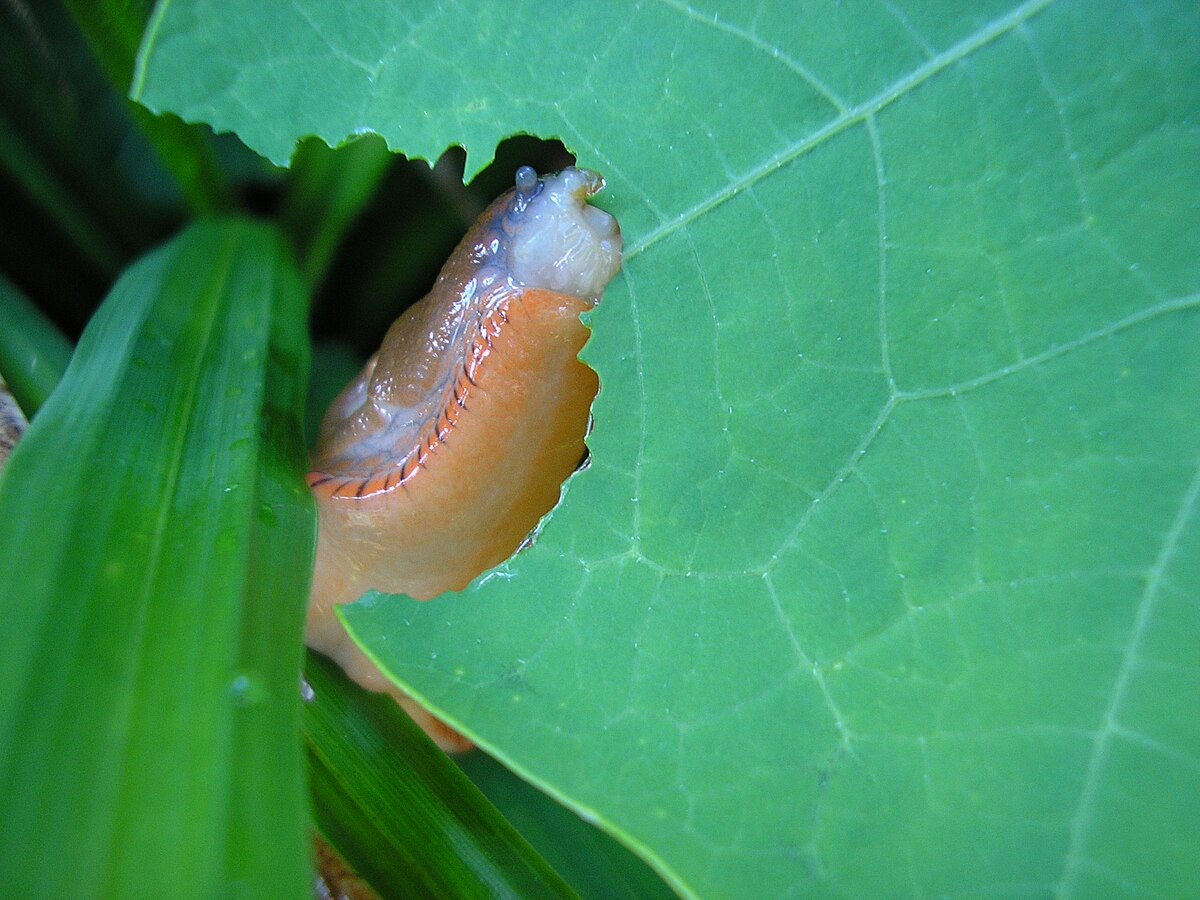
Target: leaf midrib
848	117
210	297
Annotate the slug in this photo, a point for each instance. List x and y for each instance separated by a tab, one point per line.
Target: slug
441	457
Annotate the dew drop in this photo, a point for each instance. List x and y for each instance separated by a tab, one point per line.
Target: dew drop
247	690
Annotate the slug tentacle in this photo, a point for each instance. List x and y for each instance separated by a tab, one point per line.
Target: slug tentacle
527	181
444	453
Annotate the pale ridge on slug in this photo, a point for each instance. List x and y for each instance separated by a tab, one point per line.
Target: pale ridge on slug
445	452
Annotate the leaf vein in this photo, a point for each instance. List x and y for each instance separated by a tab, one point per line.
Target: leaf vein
844	121
1109	724
754	40
1177	304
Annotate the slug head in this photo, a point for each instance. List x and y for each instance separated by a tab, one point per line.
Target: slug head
559	241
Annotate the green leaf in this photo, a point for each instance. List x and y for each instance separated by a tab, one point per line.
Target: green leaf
588	859
399	811
114	29
33	353
22	162
328	190
882	579
154	559
66	142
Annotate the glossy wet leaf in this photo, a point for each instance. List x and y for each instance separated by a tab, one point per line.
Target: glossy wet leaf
399	810
883	578
155	548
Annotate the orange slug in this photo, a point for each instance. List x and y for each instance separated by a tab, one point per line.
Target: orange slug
441	457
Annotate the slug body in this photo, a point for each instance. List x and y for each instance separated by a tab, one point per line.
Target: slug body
441	457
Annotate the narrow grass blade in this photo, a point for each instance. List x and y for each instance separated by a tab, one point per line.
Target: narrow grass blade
155	544
328	191
594	864
400	811
33	353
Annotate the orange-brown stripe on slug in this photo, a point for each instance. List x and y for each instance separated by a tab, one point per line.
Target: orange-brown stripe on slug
479	489
441	457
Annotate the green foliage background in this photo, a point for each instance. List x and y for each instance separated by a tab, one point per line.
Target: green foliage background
884	575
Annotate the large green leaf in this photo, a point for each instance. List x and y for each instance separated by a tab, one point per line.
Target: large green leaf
155	545
883	578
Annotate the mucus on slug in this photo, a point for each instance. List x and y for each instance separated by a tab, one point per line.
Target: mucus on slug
442	456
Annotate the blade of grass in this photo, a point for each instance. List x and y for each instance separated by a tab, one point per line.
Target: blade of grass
327	191
593	863
155	544
24	165
114	30
33	353
71	145
399	811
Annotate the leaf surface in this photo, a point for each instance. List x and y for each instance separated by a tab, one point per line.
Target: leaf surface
154	559
883	577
